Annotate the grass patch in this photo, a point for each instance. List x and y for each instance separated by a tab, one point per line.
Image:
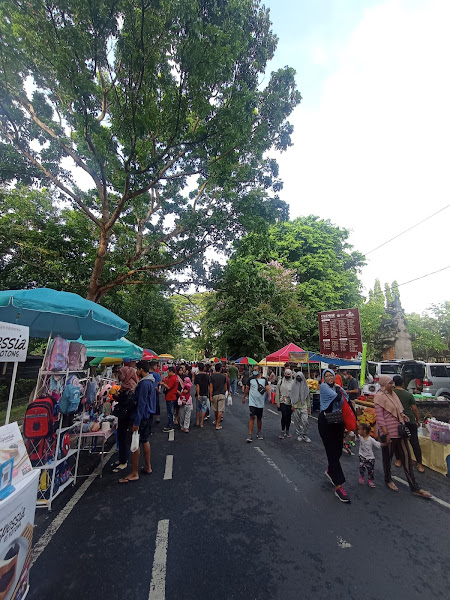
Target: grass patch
19	406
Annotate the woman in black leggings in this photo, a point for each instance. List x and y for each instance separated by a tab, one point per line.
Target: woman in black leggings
332	433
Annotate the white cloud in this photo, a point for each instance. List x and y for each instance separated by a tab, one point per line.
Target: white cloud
374	155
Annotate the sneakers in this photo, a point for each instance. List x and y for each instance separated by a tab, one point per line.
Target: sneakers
167	429
329	478
342	495
282	435
371	484
249	439
259	436
288	435
361	479
305	438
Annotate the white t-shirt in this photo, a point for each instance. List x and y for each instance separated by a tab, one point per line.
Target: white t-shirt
366	447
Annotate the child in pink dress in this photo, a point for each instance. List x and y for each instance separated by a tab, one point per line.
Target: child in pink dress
185	403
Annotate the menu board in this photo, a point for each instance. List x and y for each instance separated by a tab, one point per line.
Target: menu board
340	333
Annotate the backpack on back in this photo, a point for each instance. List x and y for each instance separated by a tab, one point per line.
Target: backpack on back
76	356
57	354
70	400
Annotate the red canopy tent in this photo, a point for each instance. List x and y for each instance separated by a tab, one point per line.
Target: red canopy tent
149	355
282	355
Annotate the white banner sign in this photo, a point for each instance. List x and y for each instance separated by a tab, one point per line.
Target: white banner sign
13	342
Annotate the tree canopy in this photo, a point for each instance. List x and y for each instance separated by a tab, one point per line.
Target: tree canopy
164	109
270	292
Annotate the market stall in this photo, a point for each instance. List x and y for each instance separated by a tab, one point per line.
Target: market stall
51	431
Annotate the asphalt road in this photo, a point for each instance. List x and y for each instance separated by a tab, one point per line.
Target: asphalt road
246	521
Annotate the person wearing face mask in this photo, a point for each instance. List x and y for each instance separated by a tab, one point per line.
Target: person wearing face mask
390	415
284	402
301	406
255	401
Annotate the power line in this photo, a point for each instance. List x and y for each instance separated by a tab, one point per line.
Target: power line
406	230
423	276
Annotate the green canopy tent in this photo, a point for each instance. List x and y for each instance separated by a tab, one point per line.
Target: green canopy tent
122	348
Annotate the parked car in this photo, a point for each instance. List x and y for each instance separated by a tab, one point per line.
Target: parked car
437	379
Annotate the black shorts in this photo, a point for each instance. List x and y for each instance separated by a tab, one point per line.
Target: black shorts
145	428
256	412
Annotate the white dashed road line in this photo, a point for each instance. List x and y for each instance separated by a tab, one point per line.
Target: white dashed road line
438	500
270	462
171	435
272	411
169	467
158	582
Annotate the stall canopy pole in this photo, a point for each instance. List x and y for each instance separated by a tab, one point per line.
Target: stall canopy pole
11	393
362	377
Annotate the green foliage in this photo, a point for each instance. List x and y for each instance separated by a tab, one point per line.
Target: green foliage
164	106
278	281
198	331
151	315
371	314
427	340
22	389
42	244
442	314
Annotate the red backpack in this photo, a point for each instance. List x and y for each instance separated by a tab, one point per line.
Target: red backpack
39	430
40	418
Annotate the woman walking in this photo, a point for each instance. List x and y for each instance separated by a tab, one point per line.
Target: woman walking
301	406
331	430
128	379
284	403
390	415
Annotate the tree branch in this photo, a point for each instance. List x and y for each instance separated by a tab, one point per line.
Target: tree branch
30	110
52	178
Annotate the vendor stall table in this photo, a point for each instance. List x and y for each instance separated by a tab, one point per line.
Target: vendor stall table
103	435
435	455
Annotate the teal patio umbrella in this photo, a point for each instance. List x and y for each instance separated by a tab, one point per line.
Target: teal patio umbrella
49	312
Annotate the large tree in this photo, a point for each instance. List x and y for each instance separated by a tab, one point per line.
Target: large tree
164	108
277	282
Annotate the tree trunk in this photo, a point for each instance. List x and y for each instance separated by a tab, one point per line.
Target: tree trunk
94	283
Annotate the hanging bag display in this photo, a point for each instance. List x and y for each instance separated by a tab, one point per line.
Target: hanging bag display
76	356
57	355
70	400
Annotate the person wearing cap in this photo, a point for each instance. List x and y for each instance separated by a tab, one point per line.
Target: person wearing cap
141	419
284	402
185	404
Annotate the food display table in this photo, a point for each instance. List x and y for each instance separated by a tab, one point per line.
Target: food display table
434	454
103	435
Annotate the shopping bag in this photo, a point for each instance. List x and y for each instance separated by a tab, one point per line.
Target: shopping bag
349	416
230	400
134	441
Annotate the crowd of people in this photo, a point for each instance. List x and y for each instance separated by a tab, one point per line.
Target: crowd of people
212	386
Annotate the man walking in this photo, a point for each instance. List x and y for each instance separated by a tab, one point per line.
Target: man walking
171	385
255	401
157	378
217	388
233	377
202	387
141	420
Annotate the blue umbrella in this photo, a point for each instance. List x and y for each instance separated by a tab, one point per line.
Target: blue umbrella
122	348
47	311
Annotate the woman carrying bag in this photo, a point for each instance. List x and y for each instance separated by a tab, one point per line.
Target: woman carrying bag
393	435
331	430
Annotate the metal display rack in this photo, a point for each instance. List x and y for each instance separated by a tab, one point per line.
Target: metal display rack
50	461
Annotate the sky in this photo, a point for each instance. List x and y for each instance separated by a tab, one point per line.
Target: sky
371	137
